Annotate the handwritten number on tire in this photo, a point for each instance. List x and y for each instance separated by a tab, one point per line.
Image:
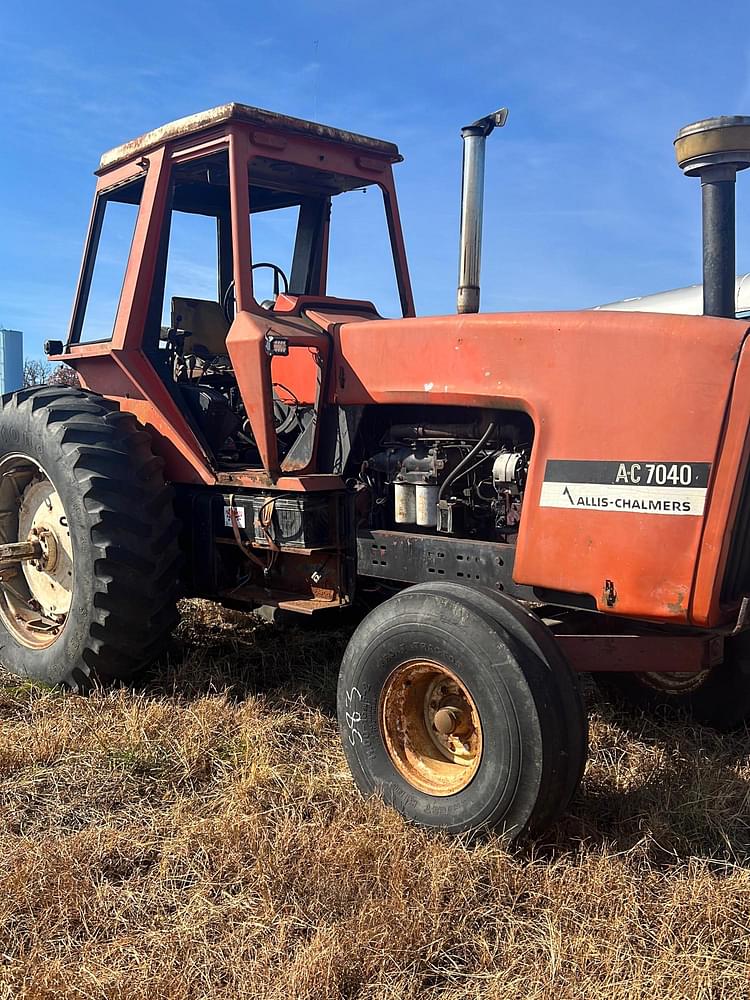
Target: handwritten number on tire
353	717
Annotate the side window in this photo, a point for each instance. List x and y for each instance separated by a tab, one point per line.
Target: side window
106	262
193	261
193	273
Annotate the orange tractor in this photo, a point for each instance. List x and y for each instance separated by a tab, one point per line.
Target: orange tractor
520	497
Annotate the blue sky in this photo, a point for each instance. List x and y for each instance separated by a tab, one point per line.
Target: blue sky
584	203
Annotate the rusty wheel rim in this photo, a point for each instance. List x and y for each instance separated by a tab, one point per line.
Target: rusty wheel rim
430	727
678	682
36	596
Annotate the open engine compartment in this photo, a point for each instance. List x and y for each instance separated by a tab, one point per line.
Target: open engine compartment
446	470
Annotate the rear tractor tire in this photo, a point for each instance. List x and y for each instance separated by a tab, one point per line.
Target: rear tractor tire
718	697
78	480
451	710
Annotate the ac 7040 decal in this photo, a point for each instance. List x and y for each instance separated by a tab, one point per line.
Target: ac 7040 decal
636	487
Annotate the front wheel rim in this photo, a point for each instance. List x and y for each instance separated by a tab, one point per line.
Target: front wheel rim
431	727
35	595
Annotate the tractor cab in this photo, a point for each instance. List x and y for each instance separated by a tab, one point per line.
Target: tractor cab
221	249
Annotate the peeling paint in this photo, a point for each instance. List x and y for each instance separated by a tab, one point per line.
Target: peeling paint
252	116
428	386
678	606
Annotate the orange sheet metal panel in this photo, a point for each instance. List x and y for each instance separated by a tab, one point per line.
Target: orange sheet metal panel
129	378
246	344
722	510
642	391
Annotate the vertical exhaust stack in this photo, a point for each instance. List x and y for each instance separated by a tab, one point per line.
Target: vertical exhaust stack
472	198
714	150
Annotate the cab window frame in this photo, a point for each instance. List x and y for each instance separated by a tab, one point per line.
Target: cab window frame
310	261
102	199
224	243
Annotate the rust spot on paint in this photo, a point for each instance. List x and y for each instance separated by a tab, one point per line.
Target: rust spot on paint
678	606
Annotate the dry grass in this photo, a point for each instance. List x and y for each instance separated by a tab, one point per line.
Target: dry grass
199	836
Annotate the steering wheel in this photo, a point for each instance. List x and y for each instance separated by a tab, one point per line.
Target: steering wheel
267	304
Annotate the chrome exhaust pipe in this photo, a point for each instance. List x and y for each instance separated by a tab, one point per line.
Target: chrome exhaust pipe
472	200
714	150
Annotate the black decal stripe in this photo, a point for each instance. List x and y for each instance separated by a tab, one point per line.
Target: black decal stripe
605	473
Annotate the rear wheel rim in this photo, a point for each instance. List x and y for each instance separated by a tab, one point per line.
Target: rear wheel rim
676	682
431	727
35	595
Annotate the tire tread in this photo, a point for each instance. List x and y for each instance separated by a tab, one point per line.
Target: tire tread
133	531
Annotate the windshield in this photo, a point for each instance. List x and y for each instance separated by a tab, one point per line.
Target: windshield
324	233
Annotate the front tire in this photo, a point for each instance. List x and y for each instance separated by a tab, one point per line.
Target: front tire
81	475
451	718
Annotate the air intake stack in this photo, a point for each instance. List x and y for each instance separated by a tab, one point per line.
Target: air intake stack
714	150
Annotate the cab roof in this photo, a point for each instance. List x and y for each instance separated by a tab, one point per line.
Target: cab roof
234	112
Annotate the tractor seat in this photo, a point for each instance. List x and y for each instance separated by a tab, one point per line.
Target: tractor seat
205	323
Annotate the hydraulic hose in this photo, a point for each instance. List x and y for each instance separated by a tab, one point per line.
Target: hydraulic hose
466	460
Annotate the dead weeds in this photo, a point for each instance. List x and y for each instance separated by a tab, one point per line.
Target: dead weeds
199	836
